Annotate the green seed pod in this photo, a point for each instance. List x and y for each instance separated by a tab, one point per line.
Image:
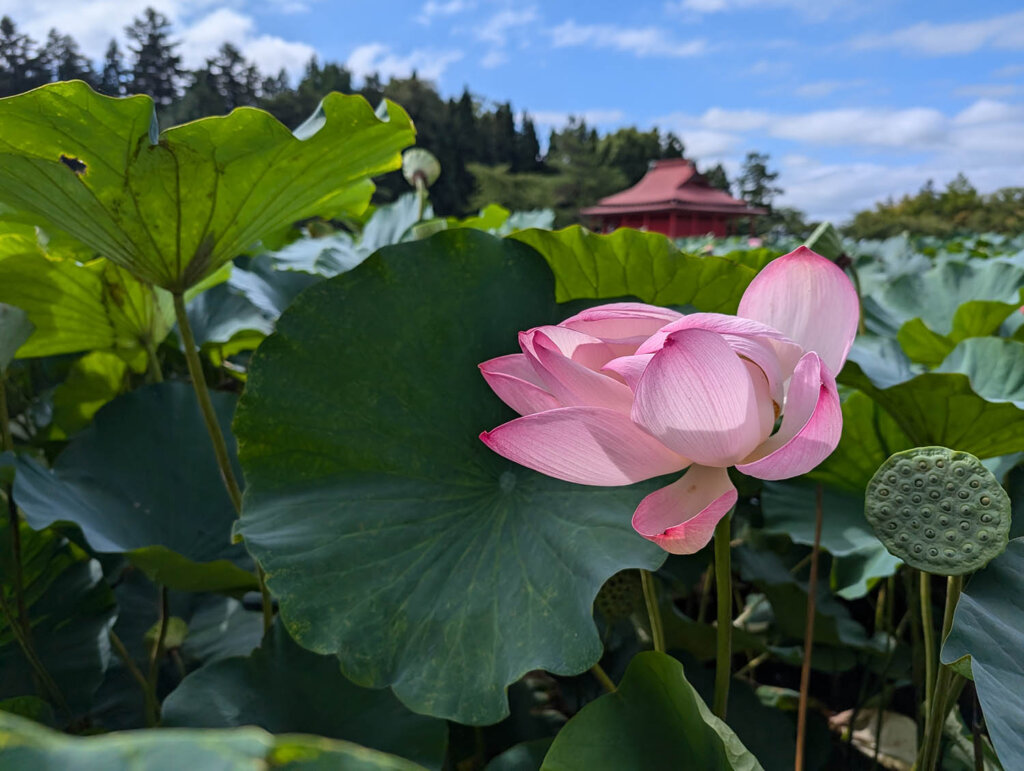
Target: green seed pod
417	162
938	510
620	597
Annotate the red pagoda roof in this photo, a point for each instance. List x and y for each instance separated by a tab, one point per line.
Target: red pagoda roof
672	184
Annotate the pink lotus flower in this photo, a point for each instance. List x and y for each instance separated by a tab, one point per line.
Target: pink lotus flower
625	392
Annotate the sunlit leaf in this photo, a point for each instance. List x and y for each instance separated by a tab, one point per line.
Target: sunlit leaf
645	265
172	207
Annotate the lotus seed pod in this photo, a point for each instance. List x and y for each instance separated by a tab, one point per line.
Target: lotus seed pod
938	510
417	162
621	596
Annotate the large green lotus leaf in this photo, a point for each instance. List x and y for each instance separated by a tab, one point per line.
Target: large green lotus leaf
70	608
142	480
994	366
76	307
15	329
28	746
935	295
977	318
941	409
789	507
989	627
341	251
389	533
526	756
93	380
283	688
869	436
173	207
645	265
655	721
882	360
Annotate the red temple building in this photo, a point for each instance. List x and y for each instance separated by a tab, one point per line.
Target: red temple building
672	198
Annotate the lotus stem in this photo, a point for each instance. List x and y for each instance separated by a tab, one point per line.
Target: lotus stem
653	611
14	522
948	685
158	644
44	680
154	372
723	590
602	677
149	698
805	669
195	370
220	448
928	632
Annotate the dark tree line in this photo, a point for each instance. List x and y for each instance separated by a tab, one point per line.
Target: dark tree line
488	152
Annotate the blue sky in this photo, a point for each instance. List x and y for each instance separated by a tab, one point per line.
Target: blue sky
854	101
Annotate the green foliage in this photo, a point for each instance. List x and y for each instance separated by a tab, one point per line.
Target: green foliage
987	627
645	265
26	746
653	721
424	518
399	551
282	688
957	209
172	208
69	608
156	497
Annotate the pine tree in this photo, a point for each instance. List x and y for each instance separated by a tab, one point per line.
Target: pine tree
156	68
503	137
112	76
756	183
465	127
275	85
235	80
20	67
717	178
527	147
62	59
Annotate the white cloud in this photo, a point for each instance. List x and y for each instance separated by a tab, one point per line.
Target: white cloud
433	9
822	88
914	127
494	58
380	59
639	41
1002	32
734	120
1010	71
987	90
815	9
270	53
201	26
773	67
985	140
495	30
93	23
